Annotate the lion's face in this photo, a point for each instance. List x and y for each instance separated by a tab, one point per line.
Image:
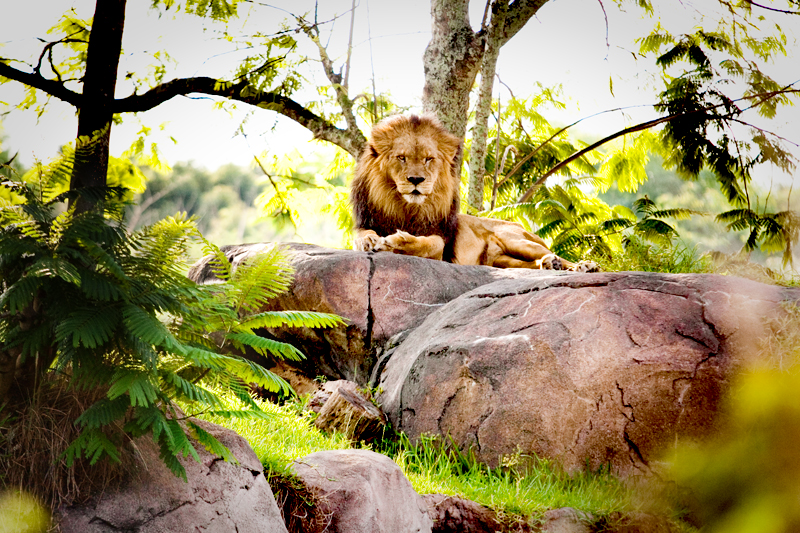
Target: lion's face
412	164
415	157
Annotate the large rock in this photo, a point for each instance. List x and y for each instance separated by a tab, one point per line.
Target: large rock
451	514
587	369
381	295
359	491
218	497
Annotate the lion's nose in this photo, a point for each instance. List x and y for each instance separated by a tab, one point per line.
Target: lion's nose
416	180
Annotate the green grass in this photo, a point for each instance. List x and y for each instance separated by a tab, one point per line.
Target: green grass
640	256
510	489
289	434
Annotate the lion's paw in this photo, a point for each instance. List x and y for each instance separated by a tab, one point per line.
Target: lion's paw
586	267
551	262
398	241
367	243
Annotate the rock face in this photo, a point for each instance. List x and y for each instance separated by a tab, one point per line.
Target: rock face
451	514
359	491
218	496
381	295
587	369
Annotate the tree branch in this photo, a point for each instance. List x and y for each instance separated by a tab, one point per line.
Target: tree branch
339	87
761	98
351	141
788	12
519	13
51	87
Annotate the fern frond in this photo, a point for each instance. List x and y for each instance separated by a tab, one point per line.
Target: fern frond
103	412
210	442
190	391
295	319
146	326
265	346
261	278
20	294
136	384
90	327
92	444
55	266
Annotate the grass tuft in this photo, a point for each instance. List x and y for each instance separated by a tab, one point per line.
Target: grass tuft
640	256
431	467
33	441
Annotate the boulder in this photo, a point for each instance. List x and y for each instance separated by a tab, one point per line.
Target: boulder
360	491
381	295
217	496
566	520
451	514
588	369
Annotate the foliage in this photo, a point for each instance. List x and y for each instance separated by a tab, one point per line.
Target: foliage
521	486
675	258
432	468
113	310
583	226
287	434
579	223
746	478
703	132
281	198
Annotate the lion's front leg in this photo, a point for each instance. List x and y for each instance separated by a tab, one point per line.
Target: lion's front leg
365	240
431	246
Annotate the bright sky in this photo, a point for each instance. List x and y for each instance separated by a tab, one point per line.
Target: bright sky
565	44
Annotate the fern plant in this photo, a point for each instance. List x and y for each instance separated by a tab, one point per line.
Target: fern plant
92	303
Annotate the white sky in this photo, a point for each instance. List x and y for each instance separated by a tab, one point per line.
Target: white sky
565	44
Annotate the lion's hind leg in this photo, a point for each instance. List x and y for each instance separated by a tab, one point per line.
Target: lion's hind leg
548	262
529	252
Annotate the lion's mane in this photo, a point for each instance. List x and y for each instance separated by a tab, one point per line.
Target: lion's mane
378	206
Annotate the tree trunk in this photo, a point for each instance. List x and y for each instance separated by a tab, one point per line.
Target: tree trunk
477	159
451	61
95	111
454	56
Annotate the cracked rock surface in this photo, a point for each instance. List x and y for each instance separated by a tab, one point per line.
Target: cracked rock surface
360	491
586	369
218	497
380	295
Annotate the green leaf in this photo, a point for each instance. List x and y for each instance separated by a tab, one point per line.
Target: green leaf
90	327
266	346
210	442
295	319
136	384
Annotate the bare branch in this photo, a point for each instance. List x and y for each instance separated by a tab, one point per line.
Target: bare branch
51	87
345	103
772	8
346	82
351	141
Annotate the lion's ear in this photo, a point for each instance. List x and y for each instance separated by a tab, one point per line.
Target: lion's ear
373	151
450	147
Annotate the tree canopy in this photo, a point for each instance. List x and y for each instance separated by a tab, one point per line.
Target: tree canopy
709	81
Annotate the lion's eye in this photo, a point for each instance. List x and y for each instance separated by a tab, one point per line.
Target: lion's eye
428	160
401	158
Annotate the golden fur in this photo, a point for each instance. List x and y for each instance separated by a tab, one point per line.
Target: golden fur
405	200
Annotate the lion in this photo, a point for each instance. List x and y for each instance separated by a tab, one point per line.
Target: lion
405	200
